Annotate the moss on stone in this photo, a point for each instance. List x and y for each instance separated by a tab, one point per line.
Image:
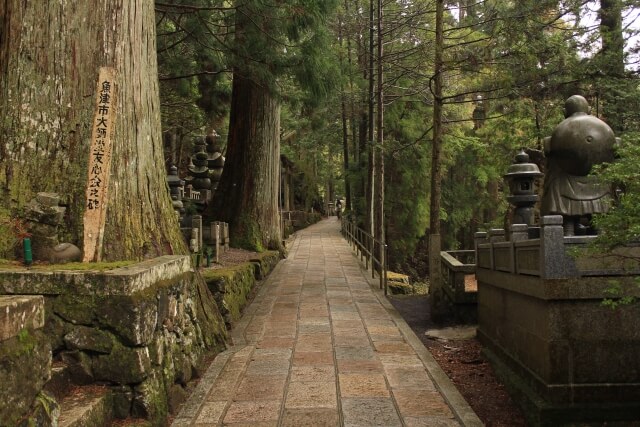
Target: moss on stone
265	262
77	309
71	266
231	287
26	364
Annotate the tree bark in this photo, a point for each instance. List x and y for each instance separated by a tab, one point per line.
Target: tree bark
435	289
379	163
247	195
615	92
50	55
370	220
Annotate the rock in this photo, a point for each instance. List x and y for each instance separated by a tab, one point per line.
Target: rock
150	400
176	396
399	284
133	317
18	312
65	252
452	333
124	365
45	412
80	366
87	338
77	309
48	199
25	367
122	401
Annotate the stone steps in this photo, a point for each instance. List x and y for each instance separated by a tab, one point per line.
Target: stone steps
86	406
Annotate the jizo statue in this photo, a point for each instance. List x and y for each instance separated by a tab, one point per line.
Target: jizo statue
578	143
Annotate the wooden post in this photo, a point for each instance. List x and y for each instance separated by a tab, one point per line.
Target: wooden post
99	164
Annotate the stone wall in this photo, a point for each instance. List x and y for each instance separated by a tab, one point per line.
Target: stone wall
232	286
142	330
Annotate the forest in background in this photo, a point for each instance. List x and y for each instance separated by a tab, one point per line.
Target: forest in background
367	89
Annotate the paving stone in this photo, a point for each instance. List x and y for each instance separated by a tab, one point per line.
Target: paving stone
421	403
430	422
258	387
272	353
211	412
311	395
313	373
363	385
393	347
314	342
347	366
368	412
276	342
251	412
355	353
409	378
310	418
351	341
312	358
314	328
268	367
400	360
345	315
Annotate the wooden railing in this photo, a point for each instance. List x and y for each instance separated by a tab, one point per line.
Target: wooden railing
366	246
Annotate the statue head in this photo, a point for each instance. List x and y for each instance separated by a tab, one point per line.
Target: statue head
581	140
575	104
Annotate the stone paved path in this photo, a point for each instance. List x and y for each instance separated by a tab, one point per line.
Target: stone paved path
320	346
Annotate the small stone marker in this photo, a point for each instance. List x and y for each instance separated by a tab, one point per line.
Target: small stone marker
99	164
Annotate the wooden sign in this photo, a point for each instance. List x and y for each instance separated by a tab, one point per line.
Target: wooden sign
99	164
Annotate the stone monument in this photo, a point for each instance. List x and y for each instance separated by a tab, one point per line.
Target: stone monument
578	143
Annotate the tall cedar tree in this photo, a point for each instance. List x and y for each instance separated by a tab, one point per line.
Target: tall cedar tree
50	54
271	43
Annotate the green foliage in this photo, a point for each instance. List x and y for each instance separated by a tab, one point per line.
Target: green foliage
617	297
621	224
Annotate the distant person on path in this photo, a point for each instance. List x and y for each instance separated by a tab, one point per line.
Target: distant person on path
338	207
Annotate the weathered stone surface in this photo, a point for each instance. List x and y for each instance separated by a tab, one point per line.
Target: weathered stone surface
122	401
150	400
264	263
65	252
155	319
134	318
46	412
89	408
19	312
118	281
231	287
88	338
208	317
77	309
25	365
79	366
176	397
54	327
124	365
399	288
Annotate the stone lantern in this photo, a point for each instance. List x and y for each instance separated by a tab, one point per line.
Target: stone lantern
521	177
176	186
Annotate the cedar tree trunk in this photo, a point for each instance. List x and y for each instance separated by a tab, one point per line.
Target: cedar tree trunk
50	55
247	195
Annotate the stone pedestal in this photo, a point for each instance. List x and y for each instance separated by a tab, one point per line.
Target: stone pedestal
565	357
